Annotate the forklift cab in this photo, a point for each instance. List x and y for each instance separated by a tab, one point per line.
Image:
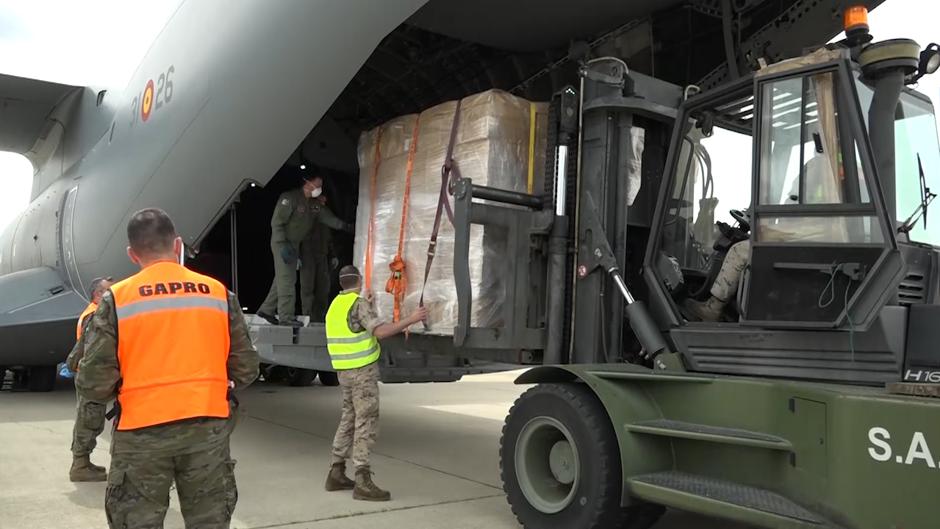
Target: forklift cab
782	163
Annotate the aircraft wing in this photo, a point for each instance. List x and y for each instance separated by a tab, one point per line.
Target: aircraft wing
25	108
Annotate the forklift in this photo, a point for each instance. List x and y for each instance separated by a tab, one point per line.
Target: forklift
811	400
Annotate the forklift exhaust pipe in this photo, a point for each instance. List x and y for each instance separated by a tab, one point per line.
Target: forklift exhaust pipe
887	64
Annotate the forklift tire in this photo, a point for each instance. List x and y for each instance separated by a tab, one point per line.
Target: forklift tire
328	378
300	377
41	378
560	463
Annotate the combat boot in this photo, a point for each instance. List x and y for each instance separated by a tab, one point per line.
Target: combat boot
83	470
367	490
337	480
268	318
709	310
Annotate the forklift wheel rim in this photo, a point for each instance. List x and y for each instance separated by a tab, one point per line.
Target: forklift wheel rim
547	464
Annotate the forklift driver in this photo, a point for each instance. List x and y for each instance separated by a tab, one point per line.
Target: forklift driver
821	179
820	189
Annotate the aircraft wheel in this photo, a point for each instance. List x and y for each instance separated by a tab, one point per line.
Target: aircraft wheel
275	374
328	378
41	378
300	377
560	463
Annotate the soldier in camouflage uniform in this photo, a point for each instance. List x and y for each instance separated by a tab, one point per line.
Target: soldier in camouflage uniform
352	330
89	416
295	215
818	189
725	286
317	265
194	452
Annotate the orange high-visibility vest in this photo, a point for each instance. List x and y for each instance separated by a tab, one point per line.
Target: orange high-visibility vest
89	310
173	345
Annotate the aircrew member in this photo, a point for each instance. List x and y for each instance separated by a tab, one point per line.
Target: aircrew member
171	345
318	261
296	213
352	334
89	416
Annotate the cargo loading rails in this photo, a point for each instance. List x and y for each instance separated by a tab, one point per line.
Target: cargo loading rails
299	356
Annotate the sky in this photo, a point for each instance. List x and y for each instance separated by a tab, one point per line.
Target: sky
100	43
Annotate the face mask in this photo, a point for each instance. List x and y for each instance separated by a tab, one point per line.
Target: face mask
316	192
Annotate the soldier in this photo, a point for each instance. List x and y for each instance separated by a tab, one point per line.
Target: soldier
318	261
352	334
725	286
171	345
89	416
819	187
296	213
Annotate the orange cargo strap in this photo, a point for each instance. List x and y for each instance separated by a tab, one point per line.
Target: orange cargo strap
397	283
370	237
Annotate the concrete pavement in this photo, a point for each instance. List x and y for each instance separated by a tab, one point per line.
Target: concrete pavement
437	453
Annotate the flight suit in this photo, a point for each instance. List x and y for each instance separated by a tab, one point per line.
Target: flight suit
193	453
294	217
315	271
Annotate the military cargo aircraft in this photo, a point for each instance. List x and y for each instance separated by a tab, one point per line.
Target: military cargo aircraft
230	97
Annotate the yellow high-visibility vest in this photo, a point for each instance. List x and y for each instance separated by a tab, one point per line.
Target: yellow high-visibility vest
348	349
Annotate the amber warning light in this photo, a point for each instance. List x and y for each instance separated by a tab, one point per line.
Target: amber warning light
856	17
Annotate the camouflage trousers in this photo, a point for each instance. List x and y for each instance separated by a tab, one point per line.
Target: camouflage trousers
359	423
192	454
726	282
89	423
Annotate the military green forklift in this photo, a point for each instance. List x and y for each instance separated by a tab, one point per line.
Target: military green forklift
811	400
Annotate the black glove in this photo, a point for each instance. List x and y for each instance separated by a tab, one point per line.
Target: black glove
288	254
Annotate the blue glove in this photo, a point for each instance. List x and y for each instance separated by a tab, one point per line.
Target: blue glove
65	372
288	254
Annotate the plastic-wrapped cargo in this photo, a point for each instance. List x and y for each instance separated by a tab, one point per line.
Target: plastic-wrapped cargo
497	135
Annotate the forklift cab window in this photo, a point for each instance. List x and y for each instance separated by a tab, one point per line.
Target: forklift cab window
802	163
713	180
816	215
915	136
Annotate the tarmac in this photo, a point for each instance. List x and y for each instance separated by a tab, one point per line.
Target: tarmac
437	453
